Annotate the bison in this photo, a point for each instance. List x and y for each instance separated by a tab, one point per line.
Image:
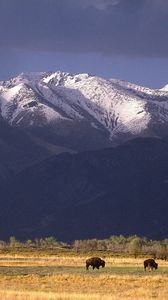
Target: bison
95	262
150	263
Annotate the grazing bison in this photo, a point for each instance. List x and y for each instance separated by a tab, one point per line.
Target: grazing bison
150	263
95	262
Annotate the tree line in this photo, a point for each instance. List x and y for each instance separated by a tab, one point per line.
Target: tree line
118	245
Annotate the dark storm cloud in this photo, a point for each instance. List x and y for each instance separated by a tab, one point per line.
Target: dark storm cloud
128	27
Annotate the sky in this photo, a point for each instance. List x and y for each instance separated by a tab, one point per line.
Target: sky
125	39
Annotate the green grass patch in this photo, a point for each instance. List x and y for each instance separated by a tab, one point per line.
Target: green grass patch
51	270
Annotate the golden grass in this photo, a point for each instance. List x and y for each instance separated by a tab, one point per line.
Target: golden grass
70	261
128	288
12	295
66	278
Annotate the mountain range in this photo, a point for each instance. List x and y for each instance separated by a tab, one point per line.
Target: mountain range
95	112
82	156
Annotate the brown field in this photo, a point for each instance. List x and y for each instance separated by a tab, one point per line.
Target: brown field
59	277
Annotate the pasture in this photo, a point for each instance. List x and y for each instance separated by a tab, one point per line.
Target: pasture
37	277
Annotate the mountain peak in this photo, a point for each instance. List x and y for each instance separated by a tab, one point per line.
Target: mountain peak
59	78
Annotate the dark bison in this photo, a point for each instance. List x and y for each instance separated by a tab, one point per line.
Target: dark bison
150	263
95	262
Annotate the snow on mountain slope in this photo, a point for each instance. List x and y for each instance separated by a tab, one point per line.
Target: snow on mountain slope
21	104
165	88
117	107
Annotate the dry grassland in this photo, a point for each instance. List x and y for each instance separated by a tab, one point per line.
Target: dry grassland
56	277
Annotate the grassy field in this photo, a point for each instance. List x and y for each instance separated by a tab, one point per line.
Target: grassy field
61	277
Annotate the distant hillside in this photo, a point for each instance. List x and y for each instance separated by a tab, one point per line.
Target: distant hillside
91	194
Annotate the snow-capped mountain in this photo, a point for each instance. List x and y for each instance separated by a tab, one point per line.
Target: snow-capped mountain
112	109
45	114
